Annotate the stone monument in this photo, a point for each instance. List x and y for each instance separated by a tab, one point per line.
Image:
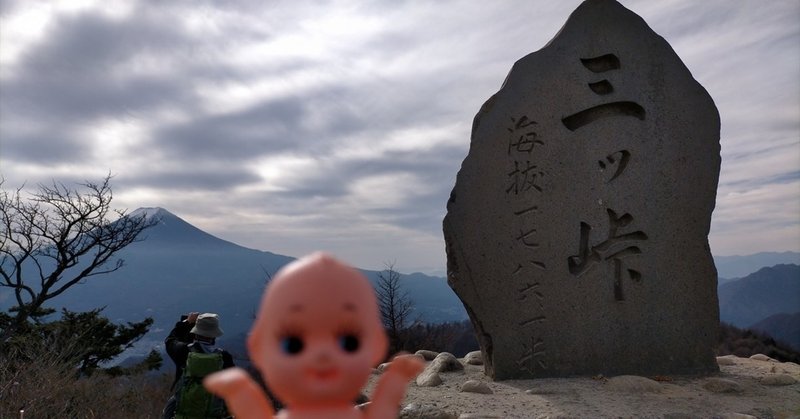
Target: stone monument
577	231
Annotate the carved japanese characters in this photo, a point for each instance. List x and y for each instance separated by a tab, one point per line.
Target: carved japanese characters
577	231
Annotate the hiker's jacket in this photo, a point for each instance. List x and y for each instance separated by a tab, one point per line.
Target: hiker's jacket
177	344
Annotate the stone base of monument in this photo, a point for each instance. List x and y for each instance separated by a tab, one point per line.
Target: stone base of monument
577	230
744	388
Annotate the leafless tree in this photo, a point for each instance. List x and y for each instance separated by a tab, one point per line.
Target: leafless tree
267	280
56	238
395	305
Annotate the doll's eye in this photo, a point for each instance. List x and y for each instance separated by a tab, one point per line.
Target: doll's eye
292	345
349	343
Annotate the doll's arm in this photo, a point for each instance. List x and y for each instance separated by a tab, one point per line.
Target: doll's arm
391	387
242	395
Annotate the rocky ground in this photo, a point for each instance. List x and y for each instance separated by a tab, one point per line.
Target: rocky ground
745	387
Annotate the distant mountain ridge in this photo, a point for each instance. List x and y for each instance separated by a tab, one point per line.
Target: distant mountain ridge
733	267
179	268
769	291
782	327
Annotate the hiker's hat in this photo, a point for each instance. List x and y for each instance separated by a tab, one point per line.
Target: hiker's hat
207	325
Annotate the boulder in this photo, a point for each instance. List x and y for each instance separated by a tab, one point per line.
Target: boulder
633	384
475	386
426	355
584	205
778	380
446	362
722	385
474	358
425	411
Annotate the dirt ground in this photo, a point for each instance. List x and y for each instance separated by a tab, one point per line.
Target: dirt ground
742	389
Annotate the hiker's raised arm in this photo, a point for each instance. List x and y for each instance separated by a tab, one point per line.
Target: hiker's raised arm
192	317
177	340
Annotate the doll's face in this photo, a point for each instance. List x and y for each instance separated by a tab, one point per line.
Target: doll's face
318	335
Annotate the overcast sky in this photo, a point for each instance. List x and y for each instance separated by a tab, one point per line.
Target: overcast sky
292	126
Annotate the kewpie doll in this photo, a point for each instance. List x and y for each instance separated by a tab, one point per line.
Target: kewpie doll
316	338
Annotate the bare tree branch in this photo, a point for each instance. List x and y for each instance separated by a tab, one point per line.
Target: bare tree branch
57	238
395	306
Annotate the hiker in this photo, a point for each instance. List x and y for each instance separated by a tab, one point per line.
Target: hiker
192	346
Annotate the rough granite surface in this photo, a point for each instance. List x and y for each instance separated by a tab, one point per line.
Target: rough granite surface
577	230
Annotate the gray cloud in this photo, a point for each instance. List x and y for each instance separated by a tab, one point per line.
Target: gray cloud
190	178
80	68
43	147
345	123
268	127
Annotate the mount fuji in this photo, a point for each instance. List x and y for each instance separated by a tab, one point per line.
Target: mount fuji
179	268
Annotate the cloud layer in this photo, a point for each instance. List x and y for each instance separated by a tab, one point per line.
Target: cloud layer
340	125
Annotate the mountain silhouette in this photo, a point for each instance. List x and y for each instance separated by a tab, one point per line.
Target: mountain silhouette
782	327
769	291
178	268
734	267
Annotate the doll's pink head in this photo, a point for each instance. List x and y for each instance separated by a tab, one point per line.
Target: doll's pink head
318	333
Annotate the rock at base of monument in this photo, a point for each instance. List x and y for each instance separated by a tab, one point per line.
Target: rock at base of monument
474	386
474	358
722	385
423	411
778	380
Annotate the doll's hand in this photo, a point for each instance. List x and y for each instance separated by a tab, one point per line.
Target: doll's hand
243	396
406	366
391	386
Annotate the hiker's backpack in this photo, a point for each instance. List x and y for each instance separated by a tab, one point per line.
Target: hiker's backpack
193	400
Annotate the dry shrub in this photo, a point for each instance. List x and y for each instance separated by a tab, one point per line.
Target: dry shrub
745	343
50	388
457	338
